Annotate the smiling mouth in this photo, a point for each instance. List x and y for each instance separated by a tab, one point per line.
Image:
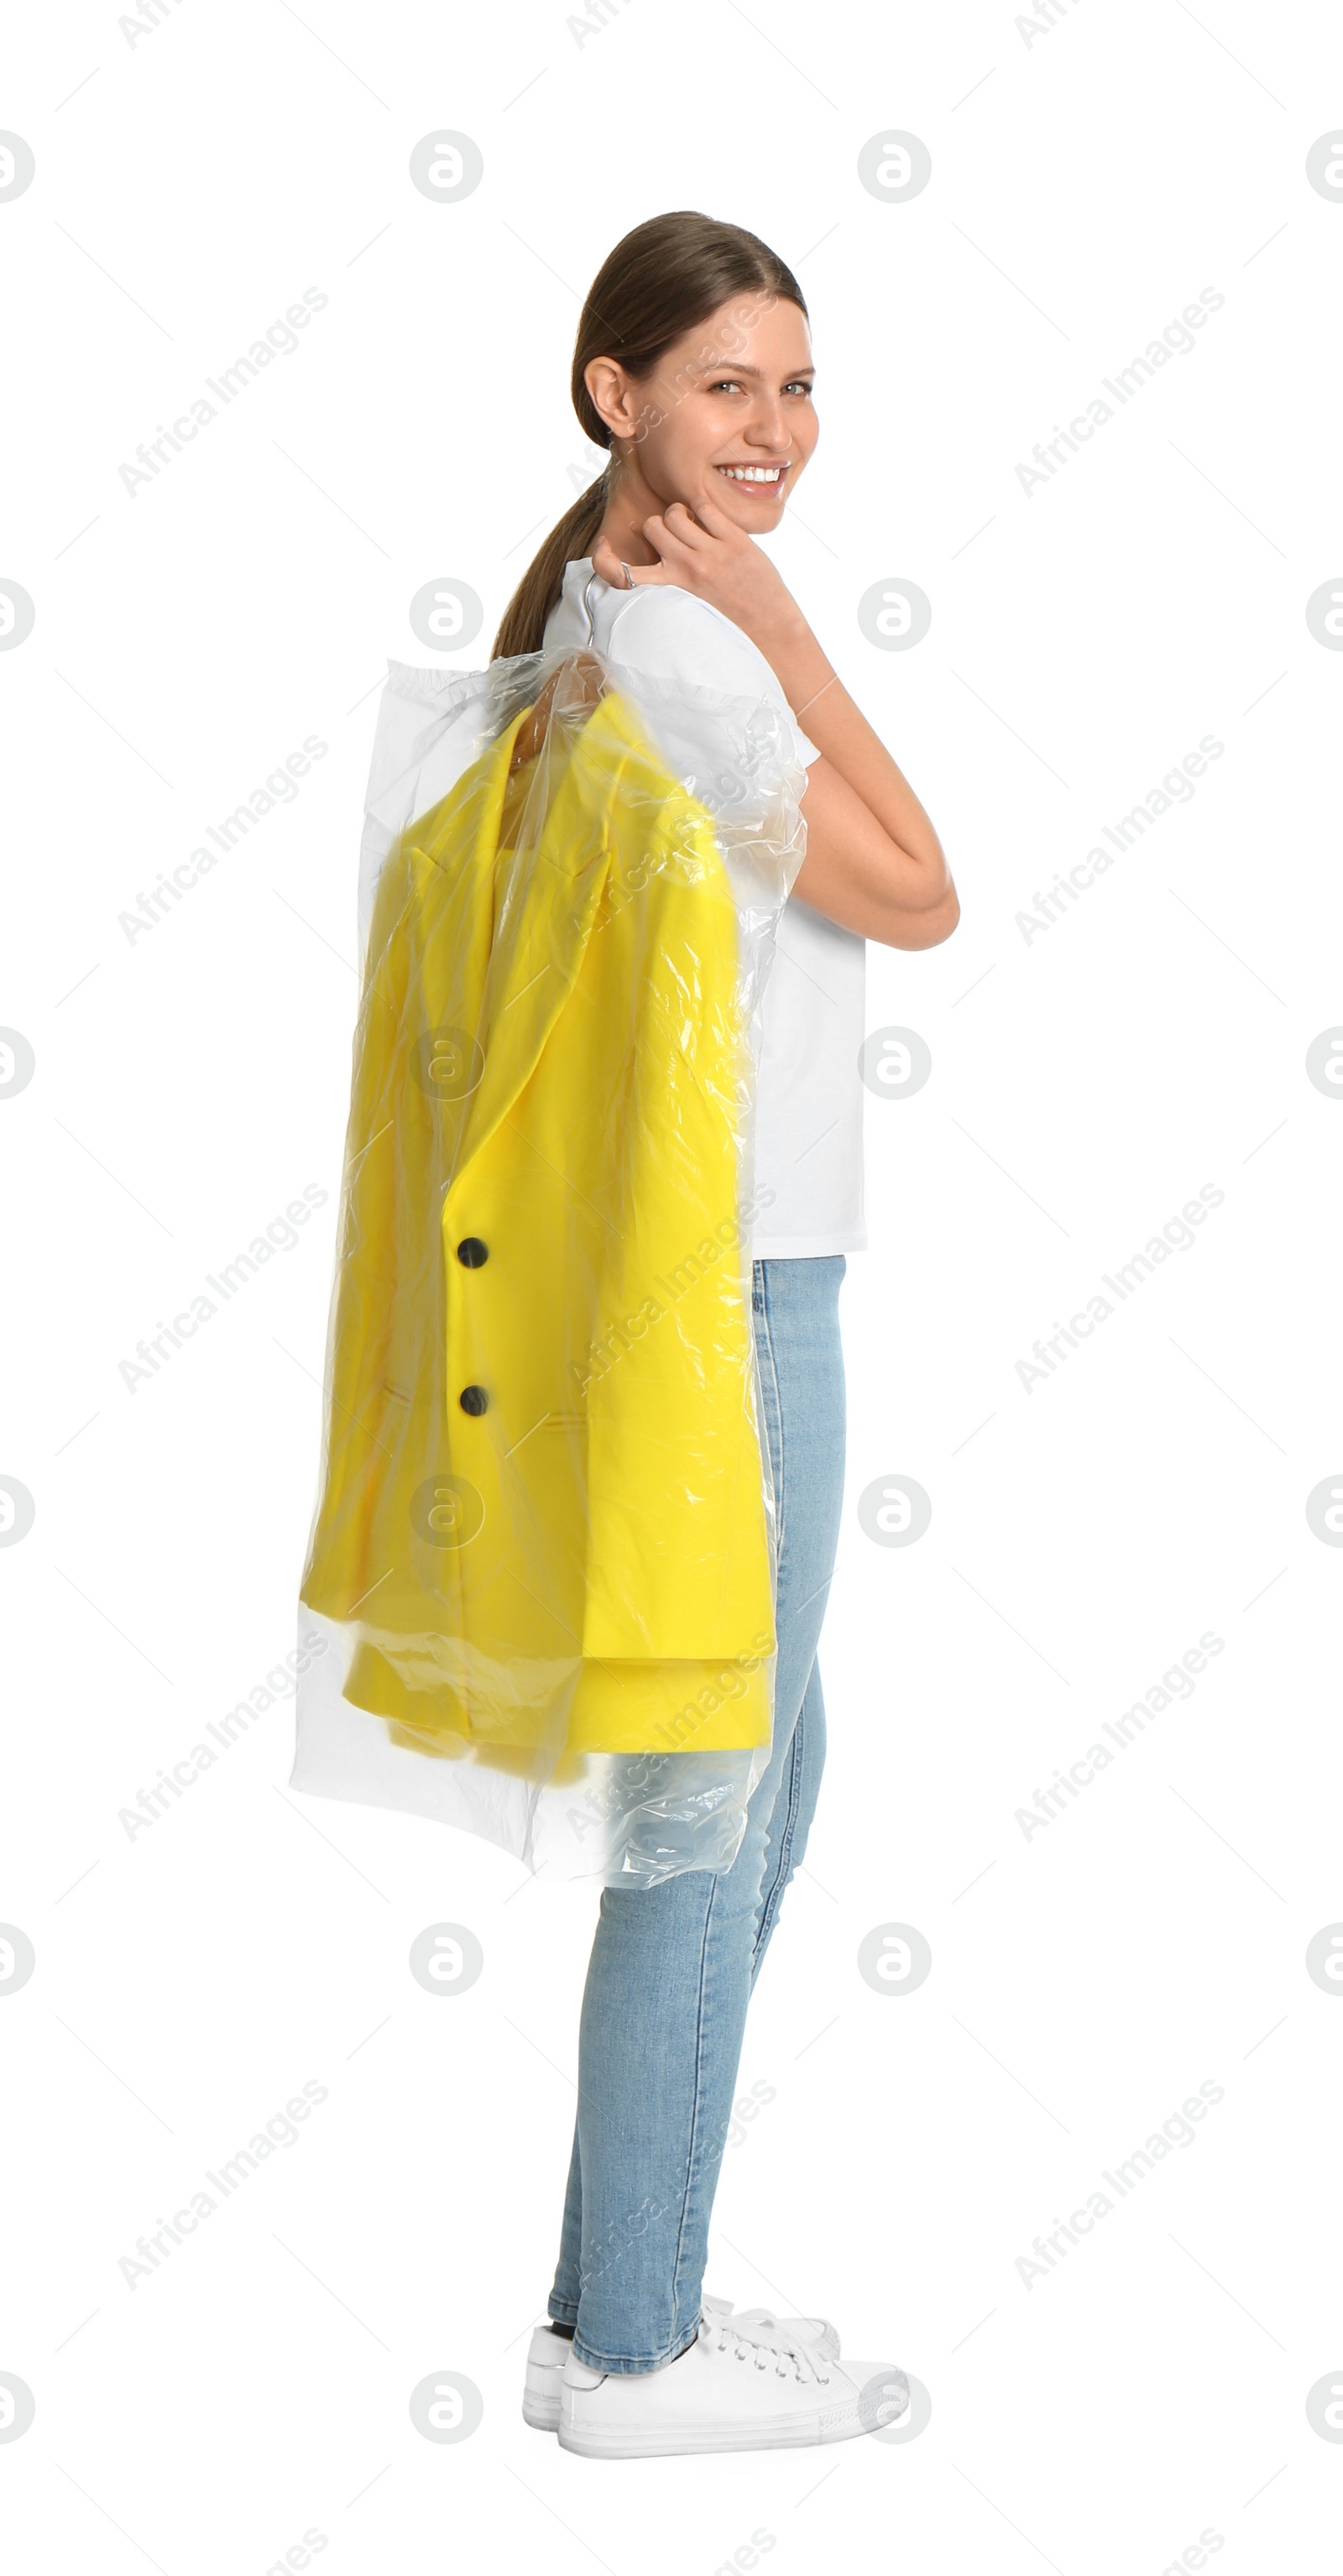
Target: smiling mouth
764	478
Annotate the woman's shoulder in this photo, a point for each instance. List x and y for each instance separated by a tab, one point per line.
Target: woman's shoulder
659	615
666	631
701	672
695	677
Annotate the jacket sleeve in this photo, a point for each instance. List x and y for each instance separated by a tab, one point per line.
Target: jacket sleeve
678	1548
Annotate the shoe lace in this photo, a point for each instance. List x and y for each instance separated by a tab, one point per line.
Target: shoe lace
770	2317
762	2342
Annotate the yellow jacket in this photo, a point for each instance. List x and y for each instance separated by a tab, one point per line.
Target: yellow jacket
542	1507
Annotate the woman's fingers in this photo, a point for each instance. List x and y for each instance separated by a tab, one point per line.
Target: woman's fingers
710	519
607	563
670	533
681	523
686	548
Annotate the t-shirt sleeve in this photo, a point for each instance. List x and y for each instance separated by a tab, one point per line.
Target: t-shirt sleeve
666	635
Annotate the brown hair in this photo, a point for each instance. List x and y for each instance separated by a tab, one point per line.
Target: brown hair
658	283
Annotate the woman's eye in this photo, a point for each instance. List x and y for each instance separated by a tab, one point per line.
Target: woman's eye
726	385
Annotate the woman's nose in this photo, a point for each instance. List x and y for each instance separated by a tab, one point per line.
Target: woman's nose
768	428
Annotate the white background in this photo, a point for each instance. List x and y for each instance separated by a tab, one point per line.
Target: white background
192	179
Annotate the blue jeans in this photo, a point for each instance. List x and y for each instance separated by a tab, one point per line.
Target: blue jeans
673	1966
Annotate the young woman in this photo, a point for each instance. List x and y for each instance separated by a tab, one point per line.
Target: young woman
693	367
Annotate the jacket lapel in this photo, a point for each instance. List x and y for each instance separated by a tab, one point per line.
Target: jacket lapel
544	902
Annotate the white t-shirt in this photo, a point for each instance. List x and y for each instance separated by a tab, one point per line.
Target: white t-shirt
809	1092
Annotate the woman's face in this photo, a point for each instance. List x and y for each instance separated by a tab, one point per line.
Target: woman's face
726	416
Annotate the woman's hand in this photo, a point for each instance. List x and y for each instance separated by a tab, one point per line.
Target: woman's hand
704	552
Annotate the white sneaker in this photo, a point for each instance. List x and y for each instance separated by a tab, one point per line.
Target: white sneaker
548	2352
741	2386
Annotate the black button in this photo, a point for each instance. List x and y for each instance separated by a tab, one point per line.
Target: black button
473	1399
473	1254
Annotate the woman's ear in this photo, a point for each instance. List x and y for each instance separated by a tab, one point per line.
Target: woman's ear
612	395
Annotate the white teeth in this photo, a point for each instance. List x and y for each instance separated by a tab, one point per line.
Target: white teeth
752	473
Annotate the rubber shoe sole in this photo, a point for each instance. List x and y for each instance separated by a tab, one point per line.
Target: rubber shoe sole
784	2433
862	2397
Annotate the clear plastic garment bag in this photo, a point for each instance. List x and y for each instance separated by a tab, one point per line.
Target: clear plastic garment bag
538	1596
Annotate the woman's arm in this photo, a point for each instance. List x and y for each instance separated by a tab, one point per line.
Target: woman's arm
874	862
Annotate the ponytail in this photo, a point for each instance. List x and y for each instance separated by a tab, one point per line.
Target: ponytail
523	626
